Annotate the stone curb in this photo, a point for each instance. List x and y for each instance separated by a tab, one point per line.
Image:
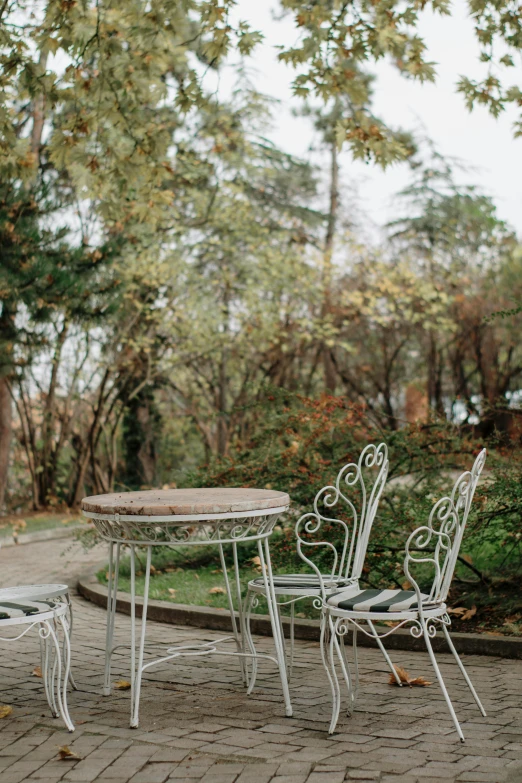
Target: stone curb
53	533
219	620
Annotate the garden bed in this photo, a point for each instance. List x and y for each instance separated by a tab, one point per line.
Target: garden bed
195	578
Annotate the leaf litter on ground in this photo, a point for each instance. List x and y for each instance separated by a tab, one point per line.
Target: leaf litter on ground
405	679
66	754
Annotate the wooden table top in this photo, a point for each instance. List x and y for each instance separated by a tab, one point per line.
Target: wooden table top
167	502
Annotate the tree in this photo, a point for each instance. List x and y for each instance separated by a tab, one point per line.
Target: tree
453	234
331	32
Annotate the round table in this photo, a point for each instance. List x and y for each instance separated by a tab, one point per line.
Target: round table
181	518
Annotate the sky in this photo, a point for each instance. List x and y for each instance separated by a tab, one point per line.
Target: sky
486	146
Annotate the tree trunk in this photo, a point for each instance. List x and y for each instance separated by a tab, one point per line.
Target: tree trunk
7	339
38	110
6	427
328	366
49	453
222	427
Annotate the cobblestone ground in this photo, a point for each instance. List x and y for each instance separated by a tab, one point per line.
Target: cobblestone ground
197	723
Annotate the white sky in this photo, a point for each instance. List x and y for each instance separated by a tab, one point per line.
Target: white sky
483	144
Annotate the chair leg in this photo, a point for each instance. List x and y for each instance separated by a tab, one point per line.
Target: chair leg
336	691
62	696
251	675
55	684
385	653
345	668
46	666
439	678
292	640
463	670
355	666
70	619
323	644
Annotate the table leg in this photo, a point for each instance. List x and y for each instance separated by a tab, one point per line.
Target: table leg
139	671
241	613
238	639
133	623
266	566
114	566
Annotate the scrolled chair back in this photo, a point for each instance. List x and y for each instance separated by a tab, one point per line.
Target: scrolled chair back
443	534
356	494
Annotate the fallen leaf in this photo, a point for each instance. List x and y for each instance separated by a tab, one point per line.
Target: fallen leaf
172	591
468	559
5	710
406	585
470	613
169	570
122	685
197	577
405	678
66	754
216	590
458	610
37	671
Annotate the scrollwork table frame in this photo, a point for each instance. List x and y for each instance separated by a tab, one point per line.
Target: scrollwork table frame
181	518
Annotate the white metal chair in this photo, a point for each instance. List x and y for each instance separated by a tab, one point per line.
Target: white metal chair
355	497
434	548
50	617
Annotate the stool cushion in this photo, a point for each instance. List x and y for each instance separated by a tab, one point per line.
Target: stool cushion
303	581
11	609
375	600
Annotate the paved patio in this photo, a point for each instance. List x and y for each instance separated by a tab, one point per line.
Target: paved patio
197	724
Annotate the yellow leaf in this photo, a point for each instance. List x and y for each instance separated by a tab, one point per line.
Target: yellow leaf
5	710
37	671
66	754
216	590
458	610
470	613
122	685
172	591
405	678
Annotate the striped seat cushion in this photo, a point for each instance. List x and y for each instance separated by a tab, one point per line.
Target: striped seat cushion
302	581
375	600
12	609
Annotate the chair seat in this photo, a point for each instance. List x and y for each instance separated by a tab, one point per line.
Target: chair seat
356	600
9	610
32	592
302	582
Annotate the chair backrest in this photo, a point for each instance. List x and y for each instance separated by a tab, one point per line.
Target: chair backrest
354	499
443	533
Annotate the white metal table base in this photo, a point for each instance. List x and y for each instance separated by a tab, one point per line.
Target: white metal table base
249	527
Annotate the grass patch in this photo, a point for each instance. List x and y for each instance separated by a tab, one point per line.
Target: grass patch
193	576
15	526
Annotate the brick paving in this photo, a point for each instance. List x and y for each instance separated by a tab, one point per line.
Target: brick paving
198	724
